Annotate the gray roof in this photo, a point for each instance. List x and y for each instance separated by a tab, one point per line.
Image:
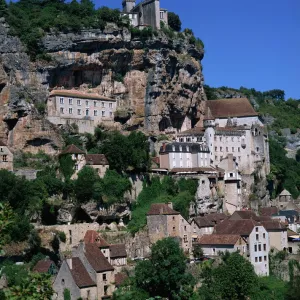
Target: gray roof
184	148
285	193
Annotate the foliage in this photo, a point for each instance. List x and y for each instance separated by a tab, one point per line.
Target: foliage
174	21
181	193
197	251
233	279
6	219
164	274
66	166
67	294
62	236
29	160
87	177
31	20
15	274
143	34
35	286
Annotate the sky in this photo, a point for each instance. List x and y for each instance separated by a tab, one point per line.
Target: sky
250	43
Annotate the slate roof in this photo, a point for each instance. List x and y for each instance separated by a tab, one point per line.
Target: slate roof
161	209
79	94
72	149
96	159
197	131
219	239
243	215
273	225
93	237
210	220
120	278
268	211
43	266
80	274
240	227
117	250
285	193
236	107
185	148
96	258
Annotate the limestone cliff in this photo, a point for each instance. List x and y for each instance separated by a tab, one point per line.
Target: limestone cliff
158	81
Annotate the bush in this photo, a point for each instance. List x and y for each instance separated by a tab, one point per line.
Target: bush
62	236
174	21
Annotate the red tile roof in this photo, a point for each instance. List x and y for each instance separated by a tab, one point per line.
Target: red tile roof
93	237
96	259
96	159
268	211
120	278
79	94
72	149
243	215
236	107
240	227
210	220
80	274
43	266
219	239
161	209
117	250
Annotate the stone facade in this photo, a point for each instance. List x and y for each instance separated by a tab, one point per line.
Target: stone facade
86	110
145	13
6	157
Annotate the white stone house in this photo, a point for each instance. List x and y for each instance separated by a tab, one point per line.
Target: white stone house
86	110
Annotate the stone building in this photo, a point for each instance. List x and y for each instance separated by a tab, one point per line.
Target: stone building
96	161
214	244
6	157
145	13
86	110
163	221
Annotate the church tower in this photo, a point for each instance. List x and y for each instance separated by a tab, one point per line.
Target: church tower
128	5
209	125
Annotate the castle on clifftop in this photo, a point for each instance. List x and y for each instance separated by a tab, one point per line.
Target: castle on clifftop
146	13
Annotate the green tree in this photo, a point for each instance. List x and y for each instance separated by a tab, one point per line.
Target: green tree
34	287
174	21
164	274
3	8
197	251
67	294
67	166
84	184
234	279
6	219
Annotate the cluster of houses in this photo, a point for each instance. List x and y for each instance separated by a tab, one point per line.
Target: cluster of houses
92	270
251	235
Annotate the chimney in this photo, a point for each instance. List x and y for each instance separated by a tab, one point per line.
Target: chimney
70	263
170	204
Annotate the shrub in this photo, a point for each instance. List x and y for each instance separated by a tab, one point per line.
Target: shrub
174	21
62	236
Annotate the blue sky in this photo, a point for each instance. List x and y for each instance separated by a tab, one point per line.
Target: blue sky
248	43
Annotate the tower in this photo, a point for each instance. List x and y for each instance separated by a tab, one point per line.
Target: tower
209	125
128	5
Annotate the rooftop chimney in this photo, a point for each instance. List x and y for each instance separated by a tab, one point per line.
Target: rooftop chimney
170	204
70	263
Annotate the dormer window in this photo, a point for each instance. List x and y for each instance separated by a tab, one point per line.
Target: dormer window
173	148
180	148
187	148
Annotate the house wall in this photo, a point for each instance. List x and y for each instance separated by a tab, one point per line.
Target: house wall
241	121
105	287
6	159
278	239
118	263
164	161
89	293
150	10
200	231
185	234
101	169
259	237
157	227
64	280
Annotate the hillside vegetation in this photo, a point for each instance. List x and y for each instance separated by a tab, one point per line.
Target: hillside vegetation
278	113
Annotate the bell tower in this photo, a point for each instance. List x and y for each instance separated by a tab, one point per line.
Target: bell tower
128	5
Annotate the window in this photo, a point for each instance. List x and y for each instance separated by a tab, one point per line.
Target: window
161	15
185	238
61	100
187	148
76	167
95	113
62	282
188	139
255	248
215	138
231	174
226	149
103	105
221	149
79	102
70	233
184	228
180	148
110	114
62	110
174	228
220	139
110	105
216	157
255	259
257	237
265	247
259	247
260	259
103	113
232	149
4	158
264	235
78	112
257	149
239	158
105	290
86	112
70	111
87	103
173	218
239	149
256	229
95	103
265	258
1	149
88	294
216	149
70	101
104	277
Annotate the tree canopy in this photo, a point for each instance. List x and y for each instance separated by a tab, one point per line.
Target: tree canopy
174	21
